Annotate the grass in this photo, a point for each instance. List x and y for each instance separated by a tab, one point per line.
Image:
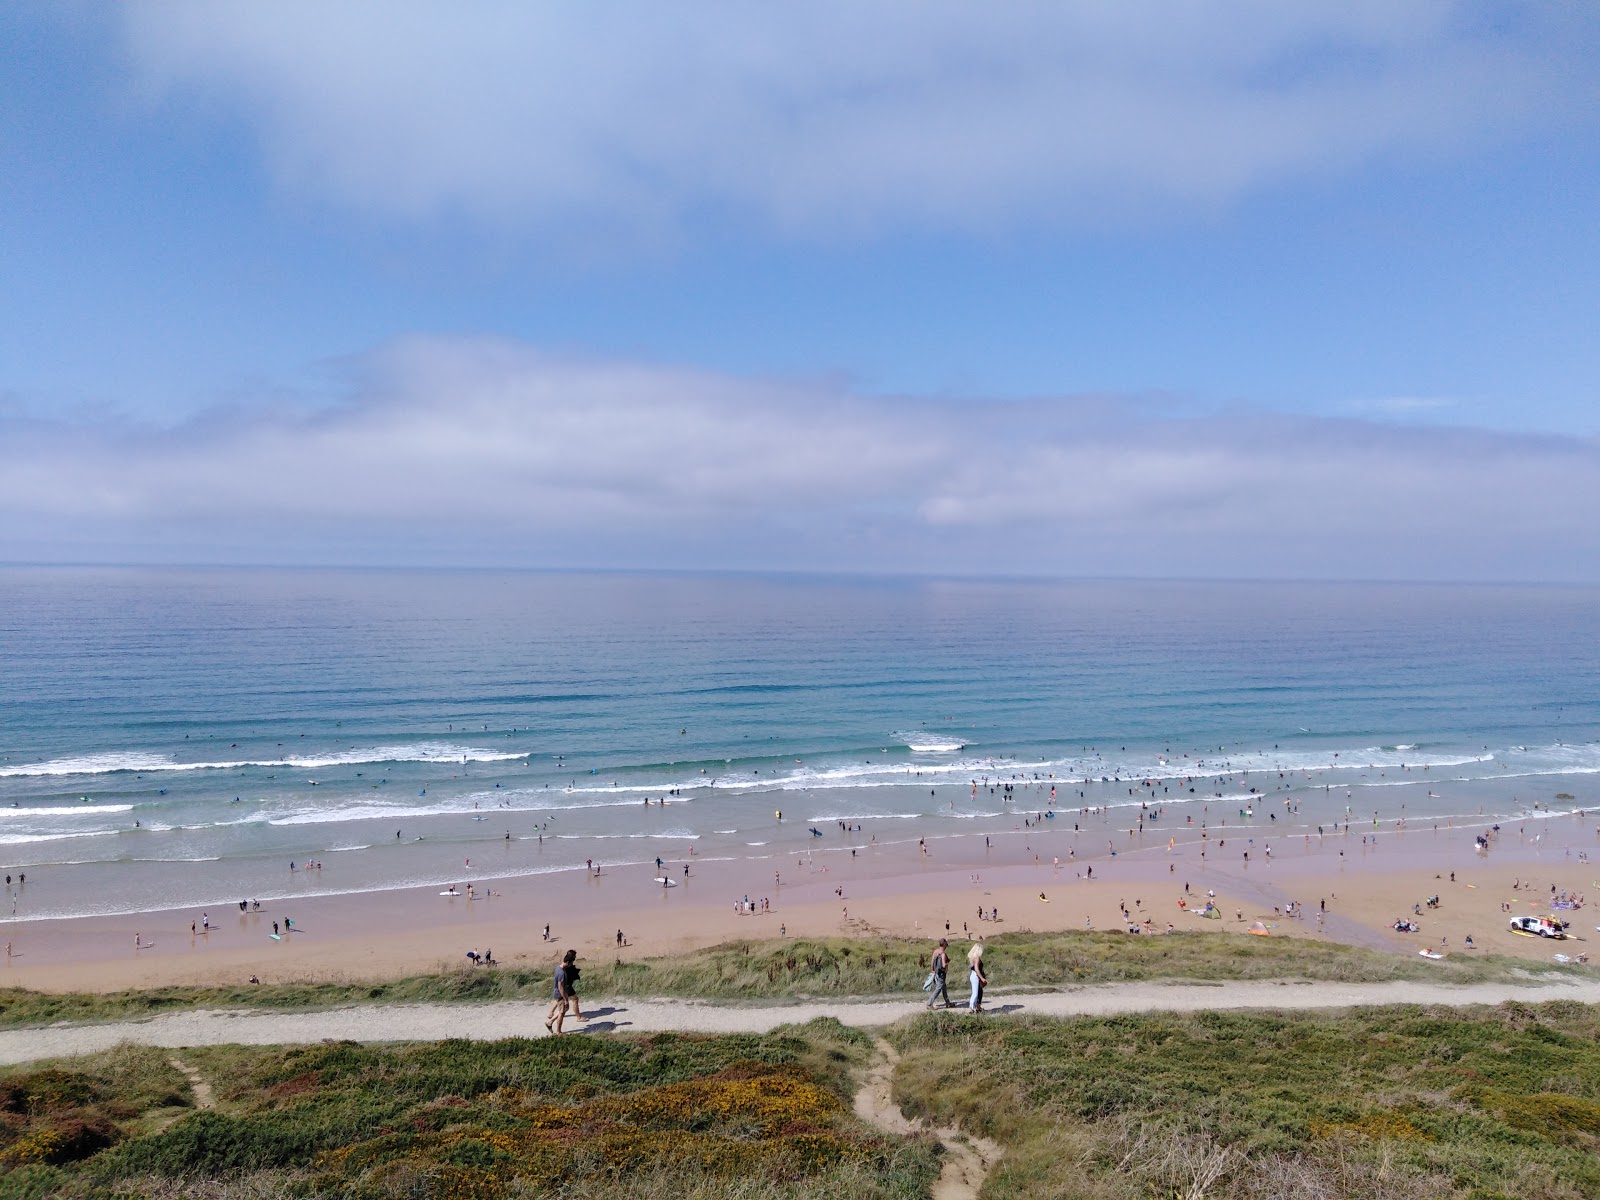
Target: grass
760	1118
794	969
1401	1103
1395	1103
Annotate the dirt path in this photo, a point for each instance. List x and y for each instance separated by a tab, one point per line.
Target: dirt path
203	1097
967	1160
488	1022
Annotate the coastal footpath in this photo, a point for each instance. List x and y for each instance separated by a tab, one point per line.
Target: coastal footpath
493	1021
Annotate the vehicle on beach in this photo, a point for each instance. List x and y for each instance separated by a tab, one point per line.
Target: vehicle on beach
1545	927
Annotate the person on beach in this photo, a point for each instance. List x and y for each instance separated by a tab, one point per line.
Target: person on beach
941	970
562	999
976	976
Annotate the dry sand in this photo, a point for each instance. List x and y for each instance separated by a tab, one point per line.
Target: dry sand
897	890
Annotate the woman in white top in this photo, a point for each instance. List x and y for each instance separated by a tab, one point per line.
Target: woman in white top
976	976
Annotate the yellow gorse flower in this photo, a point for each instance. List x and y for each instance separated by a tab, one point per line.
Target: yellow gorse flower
778	1123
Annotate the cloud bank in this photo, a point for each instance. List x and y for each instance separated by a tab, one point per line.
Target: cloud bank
478	452
837	117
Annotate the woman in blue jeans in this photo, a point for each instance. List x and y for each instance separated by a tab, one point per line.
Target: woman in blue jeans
976	976
940	970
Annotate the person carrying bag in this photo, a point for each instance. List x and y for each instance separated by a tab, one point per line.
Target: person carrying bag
938	976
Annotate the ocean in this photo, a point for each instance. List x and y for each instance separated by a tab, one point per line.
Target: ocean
178	737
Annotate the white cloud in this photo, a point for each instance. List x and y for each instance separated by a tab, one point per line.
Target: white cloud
838	116
473	451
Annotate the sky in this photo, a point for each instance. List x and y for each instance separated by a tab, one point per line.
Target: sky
1224	289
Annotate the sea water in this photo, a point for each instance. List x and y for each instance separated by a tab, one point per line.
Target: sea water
177	737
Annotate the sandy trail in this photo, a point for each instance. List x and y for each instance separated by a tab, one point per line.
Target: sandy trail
967	1160
487	1022
203	1096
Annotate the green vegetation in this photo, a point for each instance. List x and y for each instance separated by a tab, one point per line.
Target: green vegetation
1400	1103
760	1118
829	967
1397	1103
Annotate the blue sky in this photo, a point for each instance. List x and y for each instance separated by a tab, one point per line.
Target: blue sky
1246	289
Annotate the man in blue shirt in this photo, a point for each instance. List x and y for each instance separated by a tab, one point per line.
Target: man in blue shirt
562	1000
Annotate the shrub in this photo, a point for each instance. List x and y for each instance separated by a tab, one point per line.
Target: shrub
65	1141
210	1143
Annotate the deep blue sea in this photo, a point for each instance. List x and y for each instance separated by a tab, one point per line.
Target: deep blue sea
178	736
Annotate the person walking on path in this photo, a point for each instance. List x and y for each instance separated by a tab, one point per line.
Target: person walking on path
563	991
941	971
976	975
572	989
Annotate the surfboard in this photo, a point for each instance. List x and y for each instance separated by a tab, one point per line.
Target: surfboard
451	893
274	937
665	881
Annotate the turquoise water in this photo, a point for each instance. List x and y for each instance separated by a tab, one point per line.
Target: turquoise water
245	719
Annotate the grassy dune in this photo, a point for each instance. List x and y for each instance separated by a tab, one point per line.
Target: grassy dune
1400	1103
795	969
755	1118
1404	1103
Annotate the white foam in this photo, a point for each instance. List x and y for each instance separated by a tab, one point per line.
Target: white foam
1039	774
19	839
865	816
528	803
112	762
1550	771
73	811
923	742
92	764
373	812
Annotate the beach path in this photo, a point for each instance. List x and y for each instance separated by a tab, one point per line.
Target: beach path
967	1159
488	1022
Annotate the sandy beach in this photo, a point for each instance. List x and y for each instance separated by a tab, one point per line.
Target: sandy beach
1349	887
